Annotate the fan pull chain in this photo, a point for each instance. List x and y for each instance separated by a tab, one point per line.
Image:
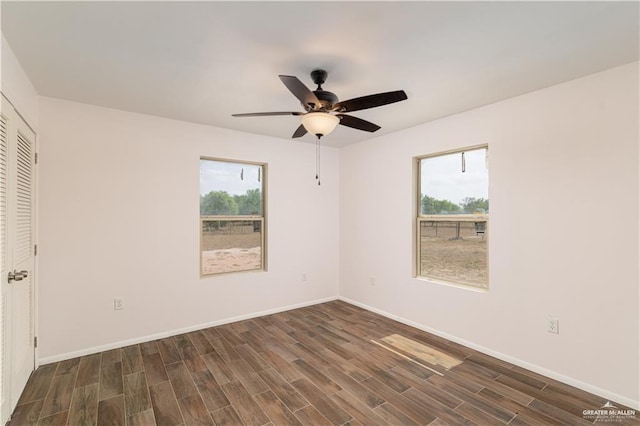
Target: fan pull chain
318	160
319	149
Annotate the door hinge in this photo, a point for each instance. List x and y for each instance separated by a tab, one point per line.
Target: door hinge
36	159
35	249
35	342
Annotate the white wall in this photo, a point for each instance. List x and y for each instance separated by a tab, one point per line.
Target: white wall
564	231
119	217
17	87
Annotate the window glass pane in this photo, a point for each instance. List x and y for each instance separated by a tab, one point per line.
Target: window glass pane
453	217
229	189
231	245
446	189
232	222
454	251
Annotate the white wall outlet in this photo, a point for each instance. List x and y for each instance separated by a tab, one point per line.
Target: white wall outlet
303	277
553	325
372	280
118	304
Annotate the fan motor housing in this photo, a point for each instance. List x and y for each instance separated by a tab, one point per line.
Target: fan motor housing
327	99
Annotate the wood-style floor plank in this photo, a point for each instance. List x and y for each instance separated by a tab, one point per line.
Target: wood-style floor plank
356	408
111	380
38	385
111	412
27	414
143	418
212	394
224	349
168	351
427	388
192	359
287	394
131	360
369	398
345	366
284	368
136	393
218	367
321	402
409	408
181	380
194	411
226	416
200	342
59	395
84	405
69	366
477	416
154	369
276	410
445	413
252	358
58	419
502	401
310	416
89	370
249	378
394	416
314	366
246	407
165	404
112	356
558	413
319	380
149	348
501	413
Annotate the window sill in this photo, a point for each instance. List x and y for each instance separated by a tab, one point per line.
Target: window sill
452	284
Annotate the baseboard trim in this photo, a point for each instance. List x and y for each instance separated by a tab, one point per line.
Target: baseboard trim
611	396
175	332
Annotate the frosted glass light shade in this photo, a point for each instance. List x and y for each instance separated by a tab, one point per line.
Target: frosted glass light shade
319	123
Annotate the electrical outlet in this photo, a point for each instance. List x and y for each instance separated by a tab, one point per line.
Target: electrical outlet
118	304
372	280
553	325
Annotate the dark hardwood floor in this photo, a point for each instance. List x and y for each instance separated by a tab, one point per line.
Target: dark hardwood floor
320	365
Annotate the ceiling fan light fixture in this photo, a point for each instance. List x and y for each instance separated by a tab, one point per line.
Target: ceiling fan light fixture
319	123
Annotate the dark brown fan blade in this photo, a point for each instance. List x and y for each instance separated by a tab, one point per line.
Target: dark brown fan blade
300	131
370	101
300	91
262	114
357	123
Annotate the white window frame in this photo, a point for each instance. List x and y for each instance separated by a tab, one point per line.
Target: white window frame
420	218
231	218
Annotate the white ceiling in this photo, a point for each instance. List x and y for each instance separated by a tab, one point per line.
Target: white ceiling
203	61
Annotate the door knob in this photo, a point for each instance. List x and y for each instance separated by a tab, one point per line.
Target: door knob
18	275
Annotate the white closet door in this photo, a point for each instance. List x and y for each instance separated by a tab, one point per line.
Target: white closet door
17	155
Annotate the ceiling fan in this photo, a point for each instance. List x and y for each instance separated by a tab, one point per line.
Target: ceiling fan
323	110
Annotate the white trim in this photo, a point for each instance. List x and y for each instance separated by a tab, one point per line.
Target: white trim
611	396
148	338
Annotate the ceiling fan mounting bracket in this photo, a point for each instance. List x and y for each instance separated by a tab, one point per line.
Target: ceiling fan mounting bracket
319	76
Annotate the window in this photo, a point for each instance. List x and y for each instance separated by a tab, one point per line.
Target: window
232	220
453	217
